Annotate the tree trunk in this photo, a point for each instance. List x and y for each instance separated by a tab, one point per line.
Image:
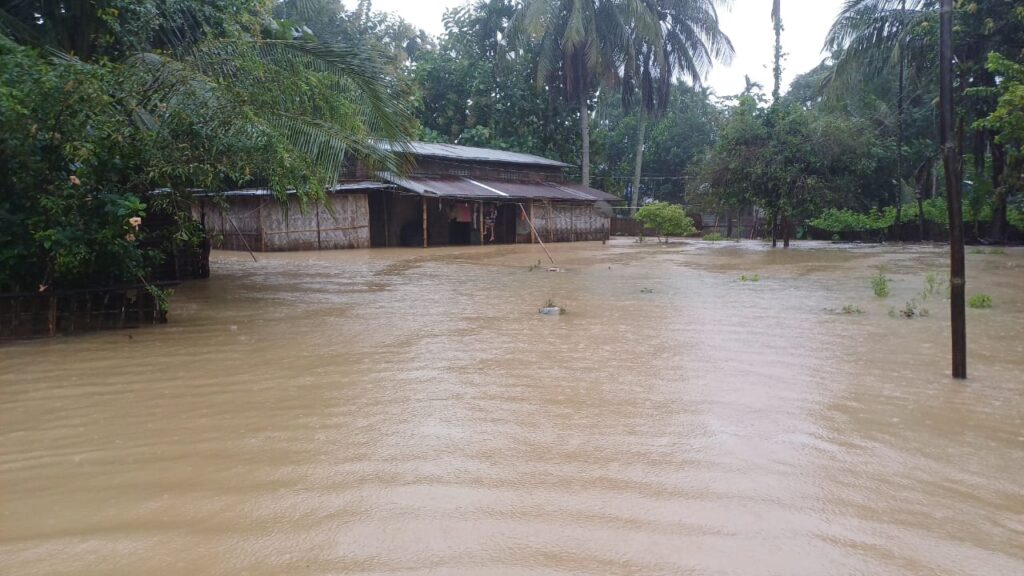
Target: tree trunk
728	224
775	229
585	135
957	280
900	110
785	229
641	129
777	71
1000	225
920	215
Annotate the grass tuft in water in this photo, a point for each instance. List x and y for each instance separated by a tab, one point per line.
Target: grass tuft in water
880	285
911	310
750	278
980	302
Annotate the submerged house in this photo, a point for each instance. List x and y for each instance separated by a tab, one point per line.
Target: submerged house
456	195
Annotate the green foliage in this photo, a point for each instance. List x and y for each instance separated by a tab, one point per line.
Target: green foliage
166	95
74	177
1016	218
469	92
843	220
786	159
880	284
750	278
980	301
851	309
666	219
713	237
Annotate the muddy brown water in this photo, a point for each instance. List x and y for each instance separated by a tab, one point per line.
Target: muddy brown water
409	412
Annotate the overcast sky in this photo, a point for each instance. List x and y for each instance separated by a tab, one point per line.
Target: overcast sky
748	24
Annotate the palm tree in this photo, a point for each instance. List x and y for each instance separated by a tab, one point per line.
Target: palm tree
872	36
186	58
684	43
777	70
579	44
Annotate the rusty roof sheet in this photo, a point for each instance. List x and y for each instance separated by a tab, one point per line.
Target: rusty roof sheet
494	190
469	153
593	192
340	187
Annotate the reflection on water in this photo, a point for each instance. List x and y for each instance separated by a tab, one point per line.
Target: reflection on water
385	412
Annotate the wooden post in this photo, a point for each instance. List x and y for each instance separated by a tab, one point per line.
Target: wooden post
262	228
426	241
88	311
481	223
387	228
319	245
52	316
71	315
951	161
533	229
140	294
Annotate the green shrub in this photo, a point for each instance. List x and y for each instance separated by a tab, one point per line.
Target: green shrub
666	219
880	284
842	220
980	301
1016	218
714	237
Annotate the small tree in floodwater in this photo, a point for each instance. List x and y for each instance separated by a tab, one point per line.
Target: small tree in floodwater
666	220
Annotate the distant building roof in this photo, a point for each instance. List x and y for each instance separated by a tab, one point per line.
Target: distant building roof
340	187
467	188
469	153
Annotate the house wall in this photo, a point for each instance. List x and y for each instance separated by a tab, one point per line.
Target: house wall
233	226
564	222
263	224
342	222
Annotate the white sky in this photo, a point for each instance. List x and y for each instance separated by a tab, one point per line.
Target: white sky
748	24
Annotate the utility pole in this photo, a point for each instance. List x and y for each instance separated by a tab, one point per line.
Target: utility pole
952	164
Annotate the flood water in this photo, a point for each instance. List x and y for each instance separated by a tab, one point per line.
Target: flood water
409	412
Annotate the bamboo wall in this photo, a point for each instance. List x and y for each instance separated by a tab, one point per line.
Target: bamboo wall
343	222
561	222
263	224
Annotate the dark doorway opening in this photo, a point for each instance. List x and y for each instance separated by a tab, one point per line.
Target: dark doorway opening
379	205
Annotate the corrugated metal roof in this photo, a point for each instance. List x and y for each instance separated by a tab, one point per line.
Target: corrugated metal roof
342	187
492	190
595	193
469	153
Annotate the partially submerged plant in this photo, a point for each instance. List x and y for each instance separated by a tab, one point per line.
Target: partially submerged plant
851	309
714	237
980	302
880	284
752	278
911	310
932	283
